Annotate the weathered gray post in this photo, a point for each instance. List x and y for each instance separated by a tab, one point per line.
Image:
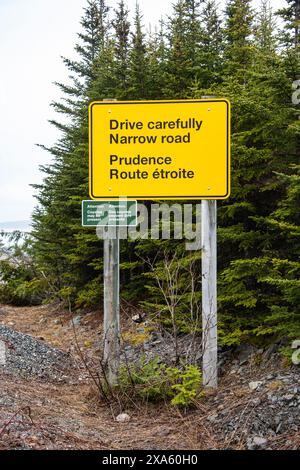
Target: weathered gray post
111	326
209	293
111	323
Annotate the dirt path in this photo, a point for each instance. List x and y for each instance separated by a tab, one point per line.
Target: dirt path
61	410
68	415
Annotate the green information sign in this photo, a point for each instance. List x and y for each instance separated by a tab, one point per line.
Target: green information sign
109	213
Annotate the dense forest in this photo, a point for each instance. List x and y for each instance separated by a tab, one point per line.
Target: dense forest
250	57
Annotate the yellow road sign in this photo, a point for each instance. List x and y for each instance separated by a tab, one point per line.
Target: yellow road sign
160	149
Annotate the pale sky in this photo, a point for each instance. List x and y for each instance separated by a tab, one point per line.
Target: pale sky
33	36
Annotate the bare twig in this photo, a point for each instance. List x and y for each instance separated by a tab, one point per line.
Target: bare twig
25	409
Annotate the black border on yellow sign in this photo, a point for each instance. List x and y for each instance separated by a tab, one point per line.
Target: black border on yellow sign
158	197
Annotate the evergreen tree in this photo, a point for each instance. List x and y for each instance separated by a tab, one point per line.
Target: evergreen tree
183	41
258	225
291	16
264	142
284	224
121	27
104	85
238	29
290	37
157	63
265	40
138	61
56	219
94	24
193	33
211	45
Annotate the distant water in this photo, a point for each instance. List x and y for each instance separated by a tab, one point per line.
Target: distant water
21	225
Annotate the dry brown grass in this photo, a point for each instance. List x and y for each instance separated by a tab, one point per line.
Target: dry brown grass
71	415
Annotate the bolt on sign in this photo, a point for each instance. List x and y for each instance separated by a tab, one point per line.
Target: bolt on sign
109	213
160	149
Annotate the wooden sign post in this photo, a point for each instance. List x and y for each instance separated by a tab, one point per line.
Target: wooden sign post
209	293
111	215
162	150
111	323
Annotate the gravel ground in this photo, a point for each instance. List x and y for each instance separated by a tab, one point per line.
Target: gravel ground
256	406
30	357
256	418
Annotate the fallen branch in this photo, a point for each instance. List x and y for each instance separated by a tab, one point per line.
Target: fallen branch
10	420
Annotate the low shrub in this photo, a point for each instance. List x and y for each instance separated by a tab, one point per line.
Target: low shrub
153	381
